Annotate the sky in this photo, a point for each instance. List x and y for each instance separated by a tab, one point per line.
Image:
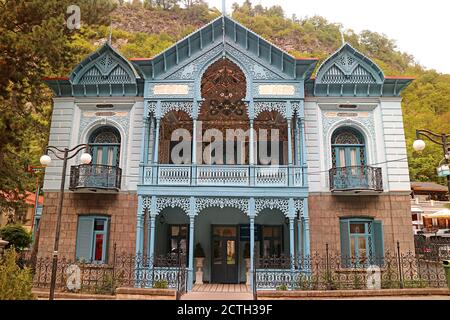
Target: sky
420	28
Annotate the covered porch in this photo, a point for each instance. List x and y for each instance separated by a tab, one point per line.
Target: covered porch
222	239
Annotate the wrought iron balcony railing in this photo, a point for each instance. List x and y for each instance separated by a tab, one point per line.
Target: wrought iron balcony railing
91	176
357	178
224	175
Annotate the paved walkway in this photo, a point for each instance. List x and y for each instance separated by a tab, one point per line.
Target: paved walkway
219	292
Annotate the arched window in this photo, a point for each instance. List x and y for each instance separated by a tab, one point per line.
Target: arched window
348	148
104	144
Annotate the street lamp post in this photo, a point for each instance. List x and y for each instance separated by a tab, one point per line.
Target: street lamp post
419	145
45	160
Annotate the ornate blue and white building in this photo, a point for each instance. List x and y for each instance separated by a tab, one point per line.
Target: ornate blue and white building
226	142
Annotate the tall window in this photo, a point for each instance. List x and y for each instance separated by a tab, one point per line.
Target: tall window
105	146
92	239
361	241
348	148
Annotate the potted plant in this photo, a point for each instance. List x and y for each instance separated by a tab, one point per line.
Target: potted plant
199	255
247	261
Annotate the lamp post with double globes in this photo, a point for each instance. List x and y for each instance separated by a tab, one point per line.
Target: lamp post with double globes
419	145
65	155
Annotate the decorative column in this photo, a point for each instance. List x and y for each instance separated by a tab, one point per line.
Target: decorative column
150	140
289	124
251	215
192	214
299	238
156	142
151	247
291	232
156	152
194	152
296	141
140	227
306	245
252	144
290	170
252	154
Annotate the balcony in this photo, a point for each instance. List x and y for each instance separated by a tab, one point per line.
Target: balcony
94	178
224	175
357	179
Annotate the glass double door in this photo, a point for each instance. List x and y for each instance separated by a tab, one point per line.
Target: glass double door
351	173
224	254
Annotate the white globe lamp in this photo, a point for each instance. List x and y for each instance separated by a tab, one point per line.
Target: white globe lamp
86	158
419	145
45	160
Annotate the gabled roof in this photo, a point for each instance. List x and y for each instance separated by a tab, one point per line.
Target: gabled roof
348	72
103	73
348	65
226	29
108	65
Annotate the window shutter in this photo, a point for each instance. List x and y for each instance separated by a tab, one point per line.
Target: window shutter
378	242
85	235
345	243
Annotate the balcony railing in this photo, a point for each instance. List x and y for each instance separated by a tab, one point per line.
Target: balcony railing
357	178
91	176
224	175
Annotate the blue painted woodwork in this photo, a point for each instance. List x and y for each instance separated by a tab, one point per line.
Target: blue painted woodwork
88	230
361	241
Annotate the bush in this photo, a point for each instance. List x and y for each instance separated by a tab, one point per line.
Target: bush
15	283
282	287
16	235
161	284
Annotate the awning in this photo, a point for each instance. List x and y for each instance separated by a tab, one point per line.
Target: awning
444	214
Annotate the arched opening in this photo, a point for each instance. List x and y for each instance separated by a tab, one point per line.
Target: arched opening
175	145
272	136
104	145
223	114
348	148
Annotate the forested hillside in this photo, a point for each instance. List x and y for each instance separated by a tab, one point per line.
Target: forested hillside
34	43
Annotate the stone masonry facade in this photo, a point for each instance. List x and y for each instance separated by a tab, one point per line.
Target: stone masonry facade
394	210
121	208
325	210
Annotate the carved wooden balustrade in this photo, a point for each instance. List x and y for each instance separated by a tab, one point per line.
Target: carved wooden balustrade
224	175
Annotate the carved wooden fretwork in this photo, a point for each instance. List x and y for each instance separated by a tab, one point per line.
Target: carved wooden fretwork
223	89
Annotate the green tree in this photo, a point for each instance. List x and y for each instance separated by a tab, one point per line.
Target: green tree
16	235
15	283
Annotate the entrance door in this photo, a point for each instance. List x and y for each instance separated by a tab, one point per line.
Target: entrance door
224	254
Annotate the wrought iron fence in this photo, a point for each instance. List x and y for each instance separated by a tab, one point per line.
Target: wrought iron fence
125	270
331	270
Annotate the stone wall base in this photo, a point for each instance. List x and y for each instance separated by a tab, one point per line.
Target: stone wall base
121	208
325	211
285	295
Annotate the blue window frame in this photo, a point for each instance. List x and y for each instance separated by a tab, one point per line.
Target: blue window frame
104	144
361	242
92	239
348	148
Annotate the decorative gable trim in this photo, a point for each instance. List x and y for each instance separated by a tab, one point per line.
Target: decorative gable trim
349	66
105	66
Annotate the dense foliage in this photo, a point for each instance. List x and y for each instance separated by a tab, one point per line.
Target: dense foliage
35	43
16	235
15	282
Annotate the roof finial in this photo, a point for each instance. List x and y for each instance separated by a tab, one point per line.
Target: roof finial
110	32
224	9
342	35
